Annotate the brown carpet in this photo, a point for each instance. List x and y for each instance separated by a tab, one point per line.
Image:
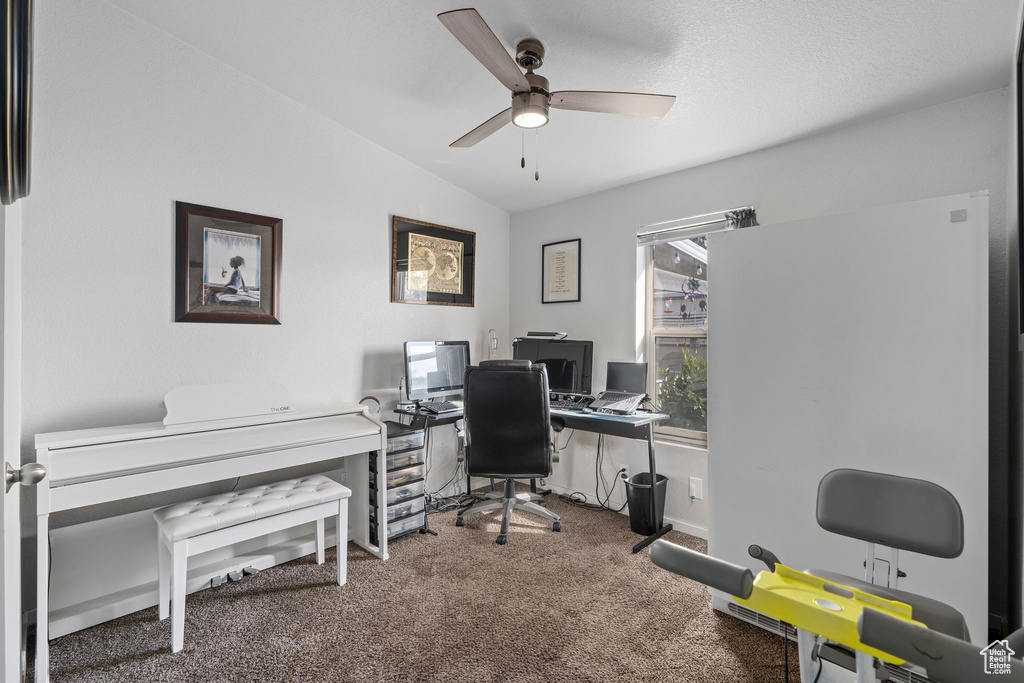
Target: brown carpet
569	606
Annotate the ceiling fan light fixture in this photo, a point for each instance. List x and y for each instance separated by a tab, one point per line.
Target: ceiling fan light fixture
530	119
530	109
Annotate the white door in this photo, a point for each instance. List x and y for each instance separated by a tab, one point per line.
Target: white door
10	428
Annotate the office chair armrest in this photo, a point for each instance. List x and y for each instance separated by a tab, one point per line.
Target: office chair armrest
557	425
460	440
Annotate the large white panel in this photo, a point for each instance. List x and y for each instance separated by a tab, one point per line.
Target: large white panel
858	340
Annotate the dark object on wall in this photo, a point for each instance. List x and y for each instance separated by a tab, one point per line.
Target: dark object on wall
16	140
431	264
1006	499
1019	106
741	218
228	266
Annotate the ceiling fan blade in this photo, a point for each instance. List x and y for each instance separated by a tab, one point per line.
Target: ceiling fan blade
473	32
628	103
491	125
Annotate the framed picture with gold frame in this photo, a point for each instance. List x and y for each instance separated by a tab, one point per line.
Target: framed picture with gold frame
431	264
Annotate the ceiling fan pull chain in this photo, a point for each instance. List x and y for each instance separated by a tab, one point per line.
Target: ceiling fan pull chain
522	162
536	157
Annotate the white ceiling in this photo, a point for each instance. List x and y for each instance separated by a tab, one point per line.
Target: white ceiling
747	74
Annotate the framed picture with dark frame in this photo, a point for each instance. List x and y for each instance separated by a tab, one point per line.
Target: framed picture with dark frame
431	264
227	266
560	278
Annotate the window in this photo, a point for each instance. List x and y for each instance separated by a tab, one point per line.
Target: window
677	318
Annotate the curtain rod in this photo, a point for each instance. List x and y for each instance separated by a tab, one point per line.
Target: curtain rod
691	222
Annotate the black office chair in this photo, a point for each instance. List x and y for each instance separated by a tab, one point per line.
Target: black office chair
508	434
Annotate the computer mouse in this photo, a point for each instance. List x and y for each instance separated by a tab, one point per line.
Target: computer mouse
586	410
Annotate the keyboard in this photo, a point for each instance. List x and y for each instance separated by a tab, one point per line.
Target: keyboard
442	406
569	404
617	395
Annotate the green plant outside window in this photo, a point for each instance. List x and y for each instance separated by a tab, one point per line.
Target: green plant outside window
683	392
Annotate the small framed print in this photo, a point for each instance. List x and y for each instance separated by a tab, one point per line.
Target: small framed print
227	267
431	264
560	281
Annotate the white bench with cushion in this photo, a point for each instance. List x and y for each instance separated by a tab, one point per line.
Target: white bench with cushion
196	526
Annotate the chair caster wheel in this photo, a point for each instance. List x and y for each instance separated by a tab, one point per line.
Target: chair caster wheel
459	521
556	526
501	540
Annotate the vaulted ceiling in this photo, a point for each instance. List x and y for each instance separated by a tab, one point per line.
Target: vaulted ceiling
747	74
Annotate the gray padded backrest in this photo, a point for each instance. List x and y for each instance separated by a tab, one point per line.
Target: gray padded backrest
903	513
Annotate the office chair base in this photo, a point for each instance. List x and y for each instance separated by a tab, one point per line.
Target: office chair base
508	502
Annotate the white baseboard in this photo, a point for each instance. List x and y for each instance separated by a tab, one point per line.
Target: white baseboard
616	502
89	613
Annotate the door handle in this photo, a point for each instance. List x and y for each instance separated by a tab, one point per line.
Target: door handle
29	475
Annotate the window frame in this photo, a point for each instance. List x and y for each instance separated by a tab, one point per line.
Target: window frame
648	237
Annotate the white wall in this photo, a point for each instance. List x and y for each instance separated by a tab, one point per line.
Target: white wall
127	120
947	149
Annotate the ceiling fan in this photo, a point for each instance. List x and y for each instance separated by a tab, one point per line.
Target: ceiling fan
531	98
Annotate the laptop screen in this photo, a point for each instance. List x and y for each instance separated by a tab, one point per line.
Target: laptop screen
631	377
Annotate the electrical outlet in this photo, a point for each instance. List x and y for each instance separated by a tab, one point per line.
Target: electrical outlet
696	488
624	471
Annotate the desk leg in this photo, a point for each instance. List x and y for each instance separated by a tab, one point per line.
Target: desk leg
42	599
659	529
425	529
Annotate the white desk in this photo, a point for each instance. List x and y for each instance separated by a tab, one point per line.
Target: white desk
93	466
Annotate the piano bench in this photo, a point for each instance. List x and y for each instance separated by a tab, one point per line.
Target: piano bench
197	526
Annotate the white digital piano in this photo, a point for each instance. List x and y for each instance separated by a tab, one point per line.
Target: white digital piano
211	433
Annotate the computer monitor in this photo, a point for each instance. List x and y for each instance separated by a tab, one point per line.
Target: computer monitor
570	362
435	369
631	377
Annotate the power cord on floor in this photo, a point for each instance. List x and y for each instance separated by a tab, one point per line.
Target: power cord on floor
600	480
580	499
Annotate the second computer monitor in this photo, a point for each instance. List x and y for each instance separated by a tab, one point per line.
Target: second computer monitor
434	369
569	362
631	377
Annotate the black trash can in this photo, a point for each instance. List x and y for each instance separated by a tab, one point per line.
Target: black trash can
638	496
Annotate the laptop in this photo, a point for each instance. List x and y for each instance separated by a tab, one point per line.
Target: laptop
627	388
